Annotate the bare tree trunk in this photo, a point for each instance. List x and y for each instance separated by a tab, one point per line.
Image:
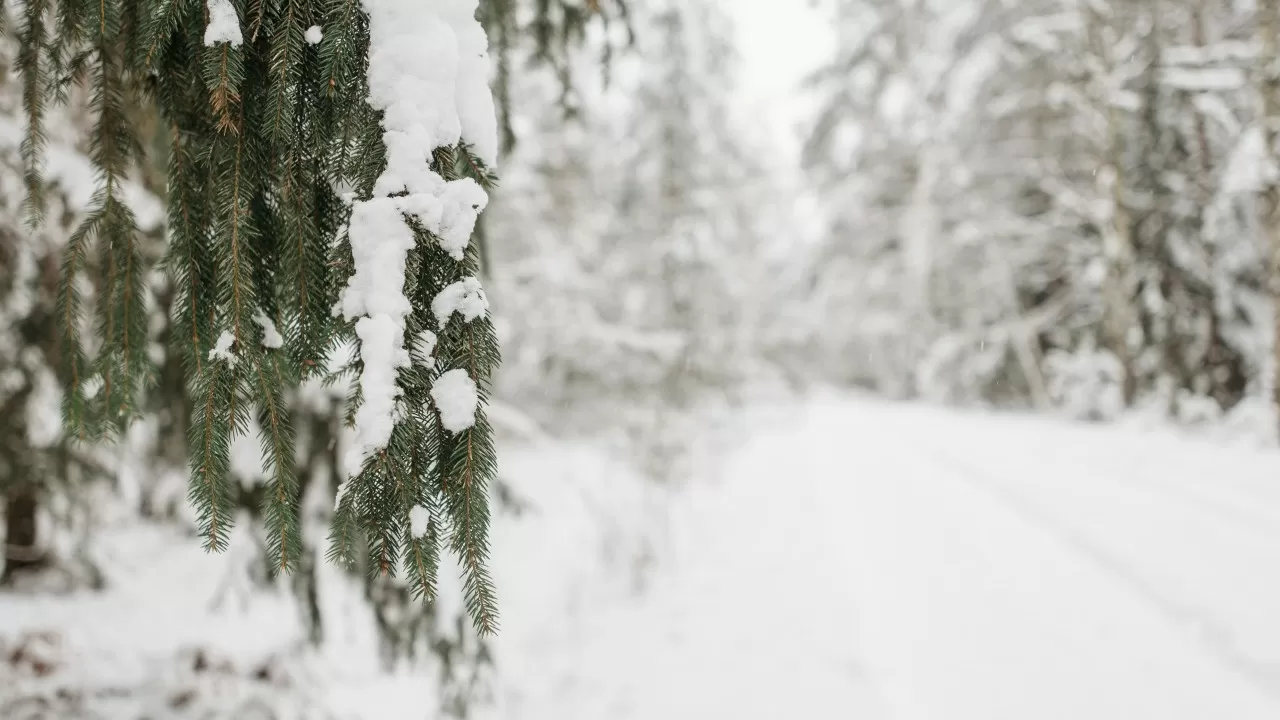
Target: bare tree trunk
1199	39
919	229
1117	241
21	553
1155	241
1268	22
1118	250
320	429
1204	197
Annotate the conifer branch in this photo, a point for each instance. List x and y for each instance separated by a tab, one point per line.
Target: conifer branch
250	238
31	65
423	556
74	259
287	41
191	287
160	26
128	287
224	71
277	439
336	57
256	10
107	312
210	490
343	533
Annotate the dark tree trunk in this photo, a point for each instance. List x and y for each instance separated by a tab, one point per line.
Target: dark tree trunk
321	430
21	553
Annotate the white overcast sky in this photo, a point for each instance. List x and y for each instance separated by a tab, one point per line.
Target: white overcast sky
780	42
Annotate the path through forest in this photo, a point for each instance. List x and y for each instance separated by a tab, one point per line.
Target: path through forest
850	559
869	560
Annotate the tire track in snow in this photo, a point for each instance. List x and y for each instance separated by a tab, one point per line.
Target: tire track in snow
1215	502
971	611
1200	627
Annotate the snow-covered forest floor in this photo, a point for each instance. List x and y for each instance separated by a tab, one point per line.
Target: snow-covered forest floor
845	558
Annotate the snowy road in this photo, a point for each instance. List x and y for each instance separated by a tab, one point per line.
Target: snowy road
879	561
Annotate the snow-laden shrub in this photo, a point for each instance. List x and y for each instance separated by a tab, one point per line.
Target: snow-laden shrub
1086	384
1196	409
959	369
1252	422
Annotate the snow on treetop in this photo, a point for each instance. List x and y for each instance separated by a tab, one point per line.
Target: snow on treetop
428	75
314	35
271	337
428	72
222	349
224	24
465	297
419	518
455	396
382	349
422	349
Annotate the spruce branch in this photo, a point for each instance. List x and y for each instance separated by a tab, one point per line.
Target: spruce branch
186	258
74	408
223	74
287	43
31	63
159	26
210	489
422	554
338	50
270	139
475	168
277	437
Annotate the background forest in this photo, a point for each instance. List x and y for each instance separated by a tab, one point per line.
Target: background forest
1063	207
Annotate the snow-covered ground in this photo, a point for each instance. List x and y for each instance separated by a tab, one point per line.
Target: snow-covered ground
849	559
862	559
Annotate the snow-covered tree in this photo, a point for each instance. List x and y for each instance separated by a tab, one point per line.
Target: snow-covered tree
302	182
326	165
1044	203
636	222
46	481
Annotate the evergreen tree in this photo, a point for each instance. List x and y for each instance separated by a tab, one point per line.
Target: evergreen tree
1047	203
662	303
323	181
686	205
46	483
